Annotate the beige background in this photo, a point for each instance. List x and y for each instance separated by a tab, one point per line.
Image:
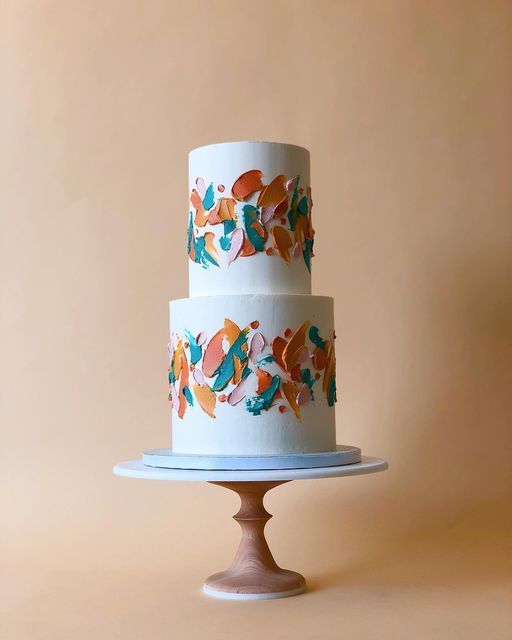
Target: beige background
406	109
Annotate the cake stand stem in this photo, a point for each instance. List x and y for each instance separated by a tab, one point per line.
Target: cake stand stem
254	574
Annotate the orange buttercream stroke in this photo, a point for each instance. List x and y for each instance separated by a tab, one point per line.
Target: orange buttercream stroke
239	367
206	399
224	210
264	380
290	393
183	383
329	367
247	248
278	345
274	193
177	359
295	343
247	184
200	217
319	358
282	241
209	238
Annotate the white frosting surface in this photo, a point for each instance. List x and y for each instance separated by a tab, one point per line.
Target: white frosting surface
222	164
235	430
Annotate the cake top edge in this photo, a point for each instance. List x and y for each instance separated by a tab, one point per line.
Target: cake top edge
250	142
247	298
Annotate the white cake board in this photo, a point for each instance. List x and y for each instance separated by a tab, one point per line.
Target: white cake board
137	469
254	575
169	459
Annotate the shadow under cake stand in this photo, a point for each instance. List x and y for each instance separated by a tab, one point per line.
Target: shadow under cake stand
254	574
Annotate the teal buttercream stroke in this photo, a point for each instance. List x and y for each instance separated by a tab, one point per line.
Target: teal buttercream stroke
251	215
196	351
303	206
315	338
225	240
188	395
190	234
307	378
208	200
264	400
226	369
331	392
292	214
201	256
225	243
308	252
229	226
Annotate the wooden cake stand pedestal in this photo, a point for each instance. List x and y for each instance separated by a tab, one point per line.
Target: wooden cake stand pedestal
254	574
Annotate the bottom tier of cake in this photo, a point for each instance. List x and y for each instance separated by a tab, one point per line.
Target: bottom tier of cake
252	374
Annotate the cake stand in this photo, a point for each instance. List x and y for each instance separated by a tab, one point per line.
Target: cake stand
254	574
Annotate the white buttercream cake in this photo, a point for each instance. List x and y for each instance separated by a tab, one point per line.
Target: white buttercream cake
252	363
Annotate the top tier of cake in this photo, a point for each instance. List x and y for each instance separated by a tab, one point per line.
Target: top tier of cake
249	225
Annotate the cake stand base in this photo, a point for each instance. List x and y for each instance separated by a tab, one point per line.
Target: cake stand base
254	574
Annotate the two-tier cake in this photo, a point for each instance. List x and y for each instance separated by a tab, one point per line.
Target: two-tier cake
252	362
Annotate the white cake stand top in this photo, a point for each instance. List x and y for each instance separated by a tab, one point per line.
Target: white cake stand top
136	469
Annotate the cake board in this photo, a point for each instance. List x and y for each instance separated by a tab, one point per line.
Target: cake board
169	459
254	574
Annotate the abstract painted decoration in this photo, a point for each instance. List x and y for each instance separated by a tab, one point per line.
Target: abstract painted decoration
276	222
241	366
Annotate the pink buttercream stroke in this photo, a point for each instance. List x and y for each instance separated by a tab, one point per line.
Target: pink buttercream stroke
201	187
238	393
237	241
257	344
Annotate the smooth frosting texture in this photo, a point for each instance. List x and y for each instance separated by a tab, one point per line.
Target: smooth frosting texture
252	374
249	222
